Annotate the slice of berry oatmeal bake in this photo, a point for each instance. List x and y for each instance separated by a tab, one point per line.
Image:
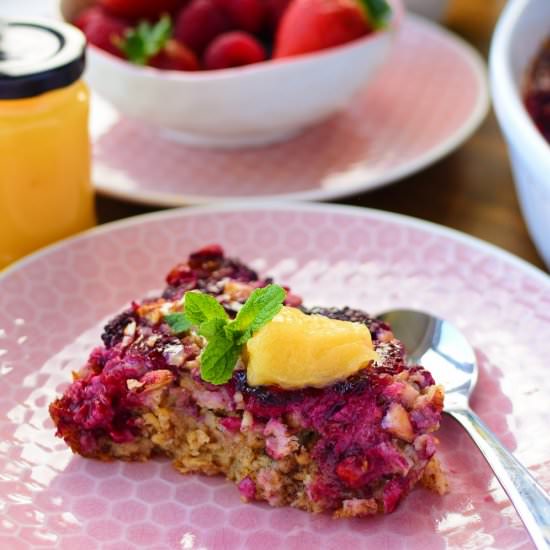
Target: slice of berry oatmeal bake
311	408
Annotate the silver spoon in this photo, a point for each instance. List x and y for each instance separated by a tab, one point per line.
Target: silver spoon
441	348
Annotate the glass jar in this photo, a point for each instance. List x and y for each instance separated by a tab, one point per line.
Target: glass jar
45	188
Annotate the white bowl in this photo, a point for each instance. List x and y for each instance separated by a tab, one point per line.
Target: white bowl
251	105
433	9
520	32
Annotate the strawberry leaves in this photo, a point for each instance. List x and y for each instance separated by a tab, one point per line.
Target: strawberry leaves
146	40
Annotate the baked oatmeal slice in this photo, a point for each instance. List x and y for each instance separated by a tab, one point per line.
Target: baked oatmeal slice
293	424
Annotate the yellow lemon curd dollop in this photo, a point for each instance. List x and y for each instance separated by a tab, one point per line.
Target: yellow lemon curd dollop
296	350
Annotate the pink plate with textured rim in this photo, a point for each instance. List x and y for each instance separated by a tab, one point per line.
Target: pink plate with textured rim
52	307
428	98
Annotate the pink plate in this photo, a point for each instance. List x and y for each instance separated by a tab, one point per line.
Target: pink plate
428	98
52	307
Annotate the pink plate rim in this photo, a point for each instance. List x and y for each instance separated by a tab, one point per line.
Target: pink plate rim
296	206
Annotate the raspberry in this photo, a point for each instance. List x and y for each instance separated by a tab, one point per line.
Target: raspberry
199	23
245	15
233	49
102	29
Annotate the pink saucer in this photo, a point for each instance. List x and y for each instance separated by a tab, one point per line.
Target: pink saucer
52	308
427	99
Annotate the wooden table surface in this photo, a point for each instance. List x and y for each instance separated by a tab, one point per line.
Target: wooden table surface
471	190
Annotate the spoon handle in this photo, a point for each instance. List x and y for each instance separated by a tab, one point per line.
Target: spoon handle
528	497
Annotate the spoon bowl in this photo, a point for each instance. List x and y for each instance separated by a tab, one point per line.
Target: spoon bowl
441	348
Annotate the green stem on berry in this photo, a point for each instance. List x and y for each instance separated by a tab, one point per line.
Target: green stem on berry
377	11
145	40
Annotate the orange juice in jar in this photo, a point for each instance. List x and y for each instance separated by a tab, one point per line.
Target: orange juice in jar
45	188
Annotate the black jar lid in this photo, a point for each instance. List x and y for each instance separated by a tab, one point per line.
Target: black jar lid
37	56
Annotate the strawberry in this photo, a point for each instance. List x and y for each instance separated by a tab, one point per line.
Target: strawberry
140	9
175	56
312	25
199	23
245	15
102	29
233	49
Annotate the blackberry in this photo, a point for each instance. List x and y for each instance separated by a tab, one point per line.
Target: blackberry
113	331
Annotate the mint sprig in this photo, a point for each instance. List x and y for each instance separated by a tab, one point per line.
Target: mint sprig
225	337
378	12
145	40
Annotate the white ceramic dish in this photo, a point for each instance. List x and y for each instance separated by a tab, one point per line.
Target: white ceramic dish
424	102
55	303
519	34
251	105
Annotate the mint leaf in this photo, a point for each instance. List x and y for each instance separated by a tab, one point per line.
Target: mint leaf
262	305
178	322
209	329
225	338
146	40
378	12
200	308
219	359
